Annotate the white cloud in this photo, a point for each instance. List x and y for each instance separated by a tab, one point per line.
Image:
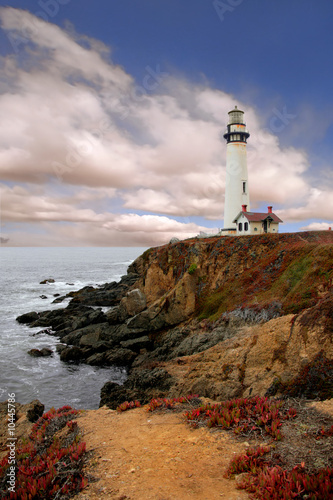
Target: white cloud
319	205
318	226
74	119
86	225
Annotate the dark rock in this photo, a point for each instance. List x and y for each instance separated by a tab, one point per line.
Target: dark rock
142	320
56	295
134	302
70	284
28	318
113	357
96	359
141	384
114	316
112	395
73	317
95	316
35	353
38	353
72	354
59	299
34	410
120	357
43	332
61	347
109	294
199	342
137	344
50	280
46	351
156	379
90	335
43	297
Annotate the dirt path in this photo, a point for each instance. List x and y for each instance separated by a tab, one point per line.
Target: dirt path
139	455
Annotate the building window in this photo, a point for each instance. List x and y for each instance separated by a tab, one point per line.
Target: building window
246	226
244	187
255	229
240	226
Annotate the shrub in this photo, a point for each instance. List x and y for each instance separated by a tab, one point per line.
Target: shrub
192	269
128	406
274	483
46	466
245	416
165	403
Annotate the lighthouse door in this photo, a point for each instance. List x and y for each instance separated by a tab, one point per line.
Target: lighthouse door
265	226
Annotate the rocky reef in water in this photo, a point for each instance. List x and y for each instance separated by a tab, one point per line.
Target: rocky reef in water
220	317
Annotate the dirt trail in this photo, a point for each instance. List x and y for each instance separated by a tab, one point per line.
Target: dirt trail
141	456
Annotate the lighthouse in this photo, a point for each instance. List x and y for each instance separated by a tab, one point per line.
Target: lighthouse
237	188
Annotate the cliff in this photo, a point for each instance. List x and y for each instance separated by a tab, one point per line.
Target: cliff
221	317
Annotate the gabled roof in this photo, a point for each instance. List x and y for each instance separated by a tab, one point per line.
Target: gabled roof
258	217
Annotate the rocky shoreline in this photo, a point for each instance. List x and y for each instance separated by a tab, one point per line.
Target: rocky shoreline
170	323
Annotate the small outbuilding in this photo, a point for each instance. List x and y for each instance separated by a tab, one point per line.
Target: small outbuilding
256	223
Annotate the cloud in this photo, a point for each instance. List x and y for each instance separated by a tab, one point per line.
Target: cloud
82	143
319	205
318	226
86	226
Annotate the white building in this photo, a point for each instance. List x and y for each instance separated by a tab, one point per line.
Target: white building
237	188
256	223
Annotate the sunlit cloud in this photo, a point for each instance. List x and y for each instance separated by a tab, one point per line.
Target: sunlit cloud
82	143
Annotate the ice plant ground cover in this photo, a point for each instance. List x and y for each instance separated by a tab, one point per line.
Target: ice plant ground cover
171	403
271	482
128	406
265	474
48	464
255	415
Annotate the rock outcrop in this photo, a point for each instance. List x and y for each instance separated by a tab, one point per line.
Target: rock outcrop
221	317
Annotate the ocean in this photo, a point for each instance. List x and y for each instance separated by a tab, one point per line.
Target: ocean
48	379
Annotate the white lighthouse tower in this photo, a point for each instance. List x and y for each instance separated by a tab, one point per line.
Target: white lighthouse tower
237	188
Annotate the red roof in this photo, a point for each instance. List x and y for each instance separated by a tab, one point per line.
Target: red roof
258	217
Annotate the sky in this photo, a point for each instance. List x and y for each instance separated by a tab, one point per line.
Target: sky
112	116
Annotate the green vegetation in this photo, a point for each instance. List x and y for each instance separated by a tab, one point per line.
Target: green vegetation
293	276
193	267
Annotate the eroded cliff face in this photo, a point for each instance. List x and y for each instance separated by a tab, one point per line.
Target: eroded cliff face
220	317
283	356
222	294
208	277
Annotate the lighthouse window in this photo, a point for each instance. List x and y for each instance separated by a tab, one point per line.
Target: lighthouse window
244	187
238	137
240	226
246	226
